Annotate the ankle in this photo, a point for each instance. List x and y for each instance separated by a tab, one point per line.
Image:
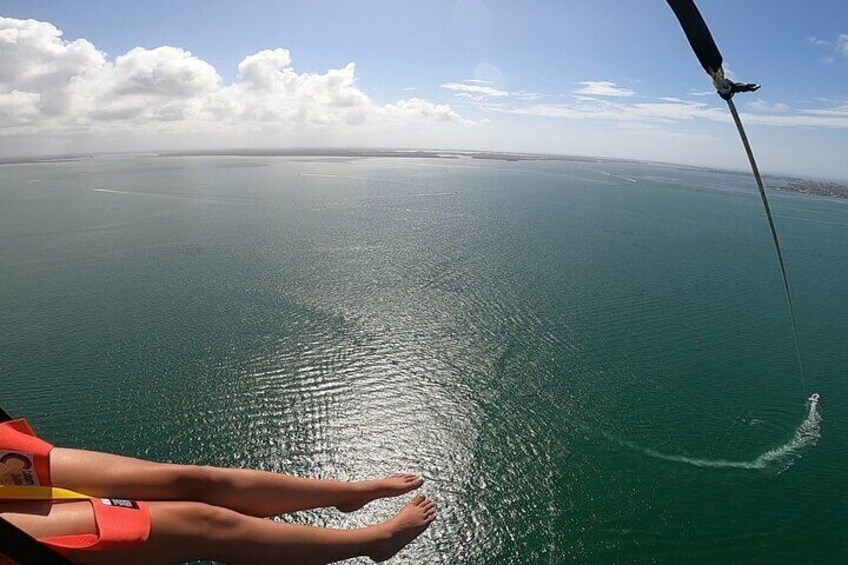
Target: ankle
375	538
360	487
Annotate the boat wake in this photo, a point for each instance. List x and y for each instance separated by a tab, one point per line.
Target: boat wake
617	176
806	436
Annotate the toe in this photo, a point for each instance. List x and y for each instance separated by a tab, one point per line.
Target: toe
418	499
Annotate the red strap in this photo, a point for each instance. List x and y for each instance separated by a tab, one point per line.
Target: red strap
63	544
120	524
24	456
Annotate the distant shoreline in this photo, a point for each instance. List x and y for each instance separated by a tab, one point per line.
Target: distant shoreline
817	188
829	189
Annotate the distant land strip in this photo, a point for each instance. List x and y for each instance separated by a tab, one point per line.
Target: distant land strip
830	189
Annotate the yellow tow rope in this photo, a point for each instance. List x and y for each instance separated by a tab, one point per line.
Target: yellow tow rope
39	493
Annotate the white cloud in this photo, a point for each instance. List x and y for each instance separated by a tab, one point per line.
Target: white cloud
817	41
760	105
667	110
527	95
49	85
269	90
262	69
477	88
480	91
161	84
602	88
834	110
35	60
839	47
842	44
18	108
416	108
672	110
164	71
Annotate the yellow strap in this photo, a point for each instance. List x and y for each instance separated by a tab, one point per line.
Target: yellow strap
40	493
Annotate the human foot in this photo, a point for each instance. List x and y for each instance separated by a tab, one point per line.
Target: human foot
397	532
366	491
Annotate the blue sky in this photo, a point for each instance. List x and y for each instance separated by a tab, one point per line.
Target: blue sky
613	78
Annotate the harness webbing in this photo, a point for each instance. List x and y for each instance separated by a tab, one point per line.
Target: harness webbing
39	493
18	545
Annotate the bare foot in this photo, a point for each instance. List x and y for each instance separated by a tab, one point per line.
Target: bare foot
366	491
406	525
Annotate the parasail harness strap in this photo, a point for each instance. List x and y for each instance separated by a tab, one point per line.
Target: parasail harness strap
18	545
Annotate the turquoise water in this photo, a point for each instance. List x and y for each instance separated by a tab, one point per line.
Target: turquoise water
589	362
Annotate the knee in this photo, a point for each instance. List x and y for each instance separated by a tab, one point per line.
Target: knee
196	482
211	521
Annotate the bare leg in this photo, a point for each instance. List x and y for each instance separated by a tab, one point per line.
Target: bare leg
255	493
44	519
188	531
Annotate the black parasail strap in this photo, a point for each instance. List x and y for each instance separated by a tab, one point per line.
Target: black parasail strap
698	34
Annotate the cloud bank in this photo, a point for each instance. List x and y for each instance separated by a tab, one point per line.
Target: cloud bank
604	100
67	96
52	85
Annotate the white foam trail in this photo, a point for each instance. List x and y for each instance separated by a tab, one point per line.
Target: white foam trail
806	435
218	200
327	176
616	176
350	177
136	193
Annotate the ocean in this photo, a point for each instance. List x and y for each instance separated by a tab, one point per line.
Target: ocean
588	361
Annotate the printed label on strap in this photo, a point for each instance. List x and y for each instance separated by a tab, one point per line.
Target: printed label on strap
18	469
120	503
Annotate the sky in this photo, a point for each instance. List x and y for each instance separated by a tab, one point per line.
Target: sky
610	78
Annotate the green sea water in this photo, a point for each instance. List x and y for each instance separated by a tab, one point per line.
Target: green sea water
588	362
